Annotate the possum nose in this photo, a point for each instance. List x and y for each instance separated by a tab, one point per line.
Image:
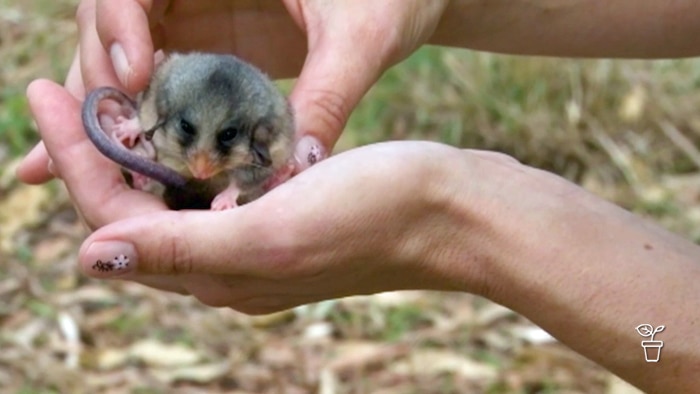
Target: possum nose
201	166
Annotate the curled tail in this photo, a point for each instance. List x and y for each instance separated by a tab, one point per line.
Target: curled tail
120	154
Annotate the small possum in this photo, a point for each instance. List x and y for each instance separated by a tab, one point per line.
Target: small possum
214	130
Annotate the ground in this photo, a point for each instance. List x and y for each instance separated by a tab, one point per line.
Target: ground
625	130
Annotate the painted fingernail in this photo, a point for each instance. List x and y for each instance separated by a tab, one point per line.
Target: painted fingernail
109	258
308	152
120	63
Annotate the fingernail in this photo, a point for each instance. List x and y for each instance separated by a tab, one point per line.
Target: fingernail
158	57
110	258
308	152
120	63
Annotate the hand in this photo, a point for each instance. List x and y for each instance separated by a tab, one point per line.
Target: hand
323	209
338	50
368	220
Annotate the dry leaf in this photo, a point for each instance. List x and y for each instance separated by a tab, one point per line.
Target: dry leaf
532	334
196	373
21	208
111	358
159	354
633	104
433	362
318	331
619	386
356	355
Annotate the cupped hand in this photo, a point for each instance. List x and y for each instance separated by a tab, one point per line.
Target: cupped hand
337	49
358	218
372	219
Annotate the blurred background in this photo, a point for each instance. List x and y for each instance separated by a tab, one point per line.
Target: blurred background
625	130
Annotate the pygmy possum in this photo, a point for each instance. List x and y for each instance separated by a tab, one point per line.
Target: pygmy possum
212	129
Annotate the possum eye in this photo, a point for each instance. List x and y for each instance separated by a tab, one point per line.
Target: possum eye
187	127
227	135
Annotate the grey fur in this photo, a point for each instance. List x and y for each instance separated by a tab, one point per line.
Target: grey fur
211	93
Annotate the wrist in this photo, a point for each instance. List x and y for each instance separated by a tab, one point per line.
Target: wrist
499	216
466	224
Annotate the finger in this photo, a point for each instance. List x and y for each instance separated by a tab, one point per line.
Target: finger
74	81
34	167
95	63
234	242
37	168
93	181
332	82
123	30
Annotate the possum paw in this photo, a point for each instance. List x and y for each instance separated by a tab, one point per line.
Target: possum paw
127	131
140	182
227	199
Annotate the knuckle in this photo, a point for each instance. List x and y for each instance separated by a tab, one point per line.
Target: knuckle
334	109
174	255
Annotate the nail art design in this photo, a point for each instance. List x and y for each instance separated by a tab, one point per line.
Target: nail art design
308	152
314	154
102	266
119	262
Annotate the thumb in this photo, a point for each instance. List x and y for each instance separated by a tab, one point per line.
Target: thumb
173	243
333	80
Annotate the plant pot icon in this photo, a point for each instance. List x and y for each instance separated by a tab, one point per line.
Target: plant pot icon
652	350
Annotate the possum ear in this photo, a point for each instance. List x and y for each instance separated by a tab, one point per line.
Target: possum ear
259	146
261	153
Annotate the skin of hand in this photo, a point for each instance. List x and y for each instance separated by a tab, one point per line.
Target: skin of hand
315	40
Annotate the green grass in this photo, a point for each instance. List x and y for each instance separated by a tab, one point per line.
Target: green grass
36	41
15	123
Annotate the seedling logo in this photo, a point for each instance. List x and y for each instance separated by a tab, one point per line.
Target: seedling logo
652	348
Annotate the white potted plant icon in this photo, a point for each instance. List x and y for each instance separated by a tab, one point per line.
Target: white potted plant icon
652	348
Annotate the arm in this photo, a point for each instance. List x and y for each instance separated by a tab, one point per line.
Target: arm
573	28
583	269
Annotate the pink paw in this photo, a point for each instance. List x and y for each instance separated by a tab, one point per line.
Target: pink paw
140	182
144	148
227	199
127	131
